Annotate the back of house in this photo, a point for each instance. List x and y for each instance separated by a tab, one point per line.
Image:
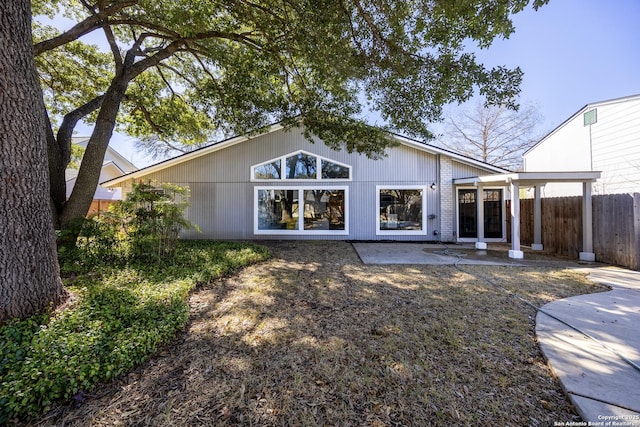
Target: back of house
279	185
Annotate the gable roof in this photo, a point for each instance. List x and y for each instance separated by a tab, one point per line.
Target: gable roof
220	145
111	156
583	110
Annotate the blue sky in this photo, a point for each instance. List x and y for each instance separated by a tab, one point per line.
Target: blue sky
572	52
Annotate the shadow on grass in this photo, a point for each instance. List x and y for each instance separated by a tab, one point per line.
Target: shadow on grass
120	316
314	337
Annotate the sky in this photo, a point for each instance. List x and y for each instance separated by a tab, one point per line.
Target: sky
572	53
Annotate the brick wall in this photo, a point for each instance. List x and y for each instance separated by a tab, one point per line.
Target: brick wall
447	207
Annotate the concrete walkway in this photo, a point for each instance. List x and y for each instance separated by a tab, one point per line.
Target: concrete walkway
424	253
603	387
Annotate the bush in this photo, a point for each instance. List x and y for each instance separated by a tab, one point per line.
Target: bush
144	227
98	243
121	314
153	216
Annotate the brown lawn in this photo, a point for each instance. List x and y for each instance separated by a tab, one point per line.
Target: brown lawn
313	337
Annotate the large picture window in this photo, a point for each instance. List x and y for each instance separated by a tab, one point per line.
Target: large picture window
300	210
400	210
278	209
301	166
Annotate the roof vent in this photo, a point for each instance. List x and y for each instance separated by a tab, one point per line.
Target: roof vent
590	117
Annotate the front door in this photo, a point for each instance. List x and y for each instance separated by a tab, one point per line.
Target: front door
468	213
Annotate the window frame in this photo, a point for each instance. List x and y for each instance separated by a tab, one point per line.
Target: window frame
283	165
423	231
502	208
299	230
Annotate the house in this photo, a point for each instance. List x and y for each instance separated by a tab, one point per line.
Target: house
601	136
113	166
279	185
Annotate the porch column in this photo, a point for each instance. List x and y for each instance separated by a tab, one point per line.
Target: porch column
515	251
537	219
480	243
587	253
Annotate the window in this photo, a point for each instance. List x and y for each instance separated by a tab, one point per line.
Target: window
324	210
300	210
331	170
493	214
267	171
467	213
278	209
300	166
400	210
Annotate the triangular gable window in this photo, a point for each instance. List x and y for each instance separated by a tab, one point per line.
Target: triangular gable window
300	165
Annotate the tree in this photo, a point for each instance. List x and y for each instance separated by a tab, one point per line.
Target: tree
29	273
182	70
185	69
493	133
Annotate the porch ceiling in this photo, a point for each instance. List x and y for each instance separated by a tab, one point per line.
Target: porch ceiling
529	178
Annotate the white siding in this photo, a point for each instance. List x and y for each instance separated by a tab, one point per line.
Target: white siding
611	145
222	191
616	148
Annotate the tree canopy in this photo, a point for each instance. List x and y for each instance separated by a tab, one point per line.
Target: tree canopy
185	70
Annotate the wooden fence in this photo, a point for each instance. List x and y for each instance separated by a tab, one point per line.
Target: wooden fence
616	227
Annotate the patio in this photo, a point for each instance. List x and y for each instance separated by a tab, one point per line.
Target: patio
386	253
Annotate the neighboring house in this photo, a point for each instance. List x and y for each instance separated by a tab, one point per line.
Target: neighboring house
278	185
601	136
114	165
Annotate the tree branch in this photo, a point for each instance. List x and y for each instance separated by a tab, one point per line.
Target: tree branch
117	57
85	27
147	116
71	119
180	74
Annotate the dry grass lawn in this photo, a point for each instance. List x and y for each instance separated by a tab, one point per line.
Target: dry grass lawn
313	337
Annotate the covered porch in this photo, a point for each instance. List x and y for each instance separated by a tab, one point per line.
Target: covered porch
536	180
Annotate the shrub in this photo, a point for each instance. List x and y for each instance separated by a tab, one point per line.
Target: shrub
121	315
145	226
97	243
153	216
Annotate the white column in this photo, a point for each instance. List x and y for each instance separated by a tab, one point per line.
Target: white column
480	243
537	219
515	251
587	253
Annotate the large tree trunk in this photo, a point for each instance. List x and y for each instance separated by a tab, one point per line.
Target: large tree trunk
29	273
89	174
